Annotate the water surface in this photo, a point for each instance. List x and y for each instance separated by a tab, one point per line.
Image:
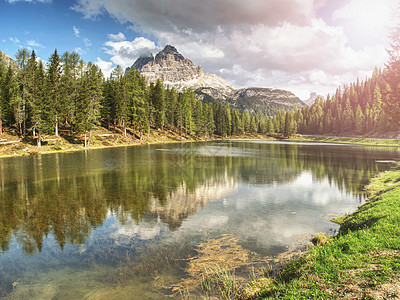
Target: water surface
123	222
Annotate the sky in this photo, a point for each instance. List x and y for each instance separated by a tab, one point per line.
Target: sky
302	46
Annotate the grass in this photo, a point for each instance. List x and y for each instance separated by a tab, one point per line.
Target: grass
103	138
349	140
361	262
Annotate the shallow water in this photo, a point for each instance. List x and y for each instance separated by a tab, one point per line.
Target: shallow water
124	222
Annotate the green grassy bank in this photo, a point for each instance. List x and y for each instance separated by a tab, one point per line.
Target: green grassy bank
349	140
12	145
361	262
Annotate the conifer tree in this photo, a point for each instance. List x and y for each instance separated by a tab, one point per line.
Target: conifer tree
22	59
3	71
53	89
69	84
88	103
209	119
392	101
157	99
171	103
289	128
30	86
246	121
39	117
9	91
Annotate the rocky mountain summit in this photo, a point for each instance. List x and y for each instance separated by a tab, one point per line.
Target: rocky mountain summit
7	58
179	72
313	96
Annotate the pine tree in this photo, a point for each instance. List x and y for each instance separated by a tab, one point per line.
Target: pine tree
3	71
392	102
88	102
53	83
246	121
359	120
22	59
30	86
9	91
209	119
138	102
157	99
171	102
38	102
289	128
69	85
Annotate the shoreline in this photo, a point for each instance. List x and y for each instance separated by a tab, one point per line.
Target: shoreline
361	262
26	148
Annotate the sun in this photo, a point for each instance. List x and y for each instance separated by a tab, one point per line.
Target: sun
371	16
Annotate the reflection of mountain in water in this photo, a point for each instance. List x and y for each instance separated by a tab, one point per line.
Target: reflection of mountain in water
180	204
68	195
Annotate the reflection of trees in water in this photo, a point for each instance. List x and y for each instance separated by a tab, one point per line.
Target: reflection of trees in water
69	194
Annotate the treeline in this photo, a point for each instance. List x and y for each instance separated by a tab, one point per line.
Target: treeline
368	107
66	93
359	108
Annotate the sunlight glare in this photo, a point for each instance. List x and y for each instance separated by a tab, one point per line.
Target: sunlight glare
372	16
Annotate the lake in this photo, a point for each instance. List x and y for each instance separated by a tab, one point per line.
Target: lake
145	222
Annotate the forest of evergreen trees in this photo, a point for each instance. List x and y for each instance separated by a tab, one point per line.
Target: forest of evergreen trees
68	94
371	106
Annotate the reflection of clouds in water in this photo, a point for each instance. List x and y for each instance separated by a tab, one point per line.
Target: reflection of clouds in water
210	220
305	179
143	231
272	216
224	151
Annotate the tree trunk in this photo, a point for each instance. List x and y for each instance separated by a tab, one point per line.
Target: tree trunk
85	140
24	109
39	142
56	126
90	136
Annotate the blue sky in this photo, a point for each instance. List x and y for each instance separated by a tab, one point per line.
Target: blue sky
298	45
50	25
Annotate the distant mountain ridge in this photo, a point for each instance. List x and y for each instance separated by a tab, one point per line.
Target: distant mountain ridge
180	73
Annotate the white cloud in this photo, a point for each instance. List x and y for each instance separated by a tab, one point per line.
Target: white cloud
76	31
275	43
119	37
201	15
105	66
124	53
14	40
87	42
372	11
80	51
30	1
33	43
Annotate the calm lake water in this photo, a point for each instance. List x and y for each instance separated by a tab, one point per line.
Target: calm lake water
134	222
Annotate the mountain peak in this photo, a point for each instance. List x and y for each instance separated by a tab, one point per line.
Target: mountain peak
143	60
169	52
8	60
